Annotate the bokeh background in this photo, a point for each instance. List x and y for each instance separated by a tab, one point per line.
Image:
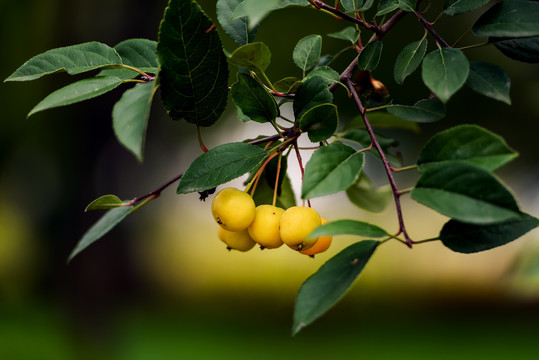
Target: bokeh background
161	285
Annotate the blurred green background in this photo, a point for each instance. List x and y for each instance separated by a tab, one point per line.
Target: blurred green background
162	286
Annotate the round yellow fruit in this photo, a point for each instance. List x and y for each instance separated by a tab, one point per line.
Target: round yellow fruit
321	245
237	240
296	223
265	227
233	209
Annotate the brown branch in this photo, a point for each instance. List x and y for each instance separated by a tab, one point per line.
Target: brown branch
344	16
430	29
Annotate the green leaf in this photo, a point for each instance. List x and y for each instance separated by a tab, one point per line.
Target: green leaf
237	29
254	101
325	72
313	91
409	59
466	193
325	287
348	227
254	10
363	195
456	7
383	120
444	72
73	59
220	165
287	85
523	49
138	53
349	33
469	143
331	169
264	193
105	202
386	6
407	5
130	117
194	71
369	57
489	80
254	56
106	223
423	111
471	238
307	52
509	18
78	91
362	137
355	6
320	122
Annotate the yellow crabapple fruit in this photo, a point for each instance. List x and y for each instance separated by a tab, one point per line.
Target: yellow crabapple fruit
321	244
296	223
265	227
237	240
233	209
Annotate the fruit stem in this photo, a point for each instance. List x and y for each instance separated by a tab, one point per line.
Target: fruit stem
277	179
202	146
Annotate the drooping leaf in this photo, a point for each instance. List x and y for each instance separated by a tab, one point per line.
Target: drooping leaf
320	122
489	80
254	101
424	111
509	18
373	199
130	117
106	223
469	143
383	120
194	70
386	6
522	49
74	59
138	53
466	193
369	57
471	238
307	52
331	169
325	72
78	91
349	33
264	194
105	202
238	29
313	91
409	59
220	165
348	227
325	287
254	56
456	7
444	71
407	5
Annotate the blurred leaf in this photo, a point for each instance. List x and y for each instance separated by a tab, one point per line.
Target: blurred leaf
139	53
362	137
78	91
444	71
423	111
523	49
313	91
349	33
320	122
238	29
307	52
366	197
106	223
254	10
348	227
466	193
489	80
254	56
253	99
331	169
105	202
456	7
386	6
220	165
354	6
407	5
471	238
509	18
469	143
325	72
74	59
130	117
409	59
194	73
325	287
369	57
383	120
287	85
264	193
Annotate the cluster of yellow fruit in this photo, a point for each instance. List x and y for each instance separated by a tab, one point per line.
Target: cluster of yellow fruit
242	224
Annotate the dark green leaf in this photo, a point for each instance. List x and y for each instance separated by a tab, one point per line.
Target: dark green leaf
348	227
469	143
444	71
106	223
237	29
349	33
325	287
455	7
287	85
386	6
489	80
424	111
509	18
326	73
470	238
220	165
320	122
264	193
105	202
194	71
313	91
78	91
383	120
523	49
307	52
331	169
254	56
74	59
407	5
366	197
354	6
362	137
130	117
409	59
466	193
254	101
370	56
139	53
